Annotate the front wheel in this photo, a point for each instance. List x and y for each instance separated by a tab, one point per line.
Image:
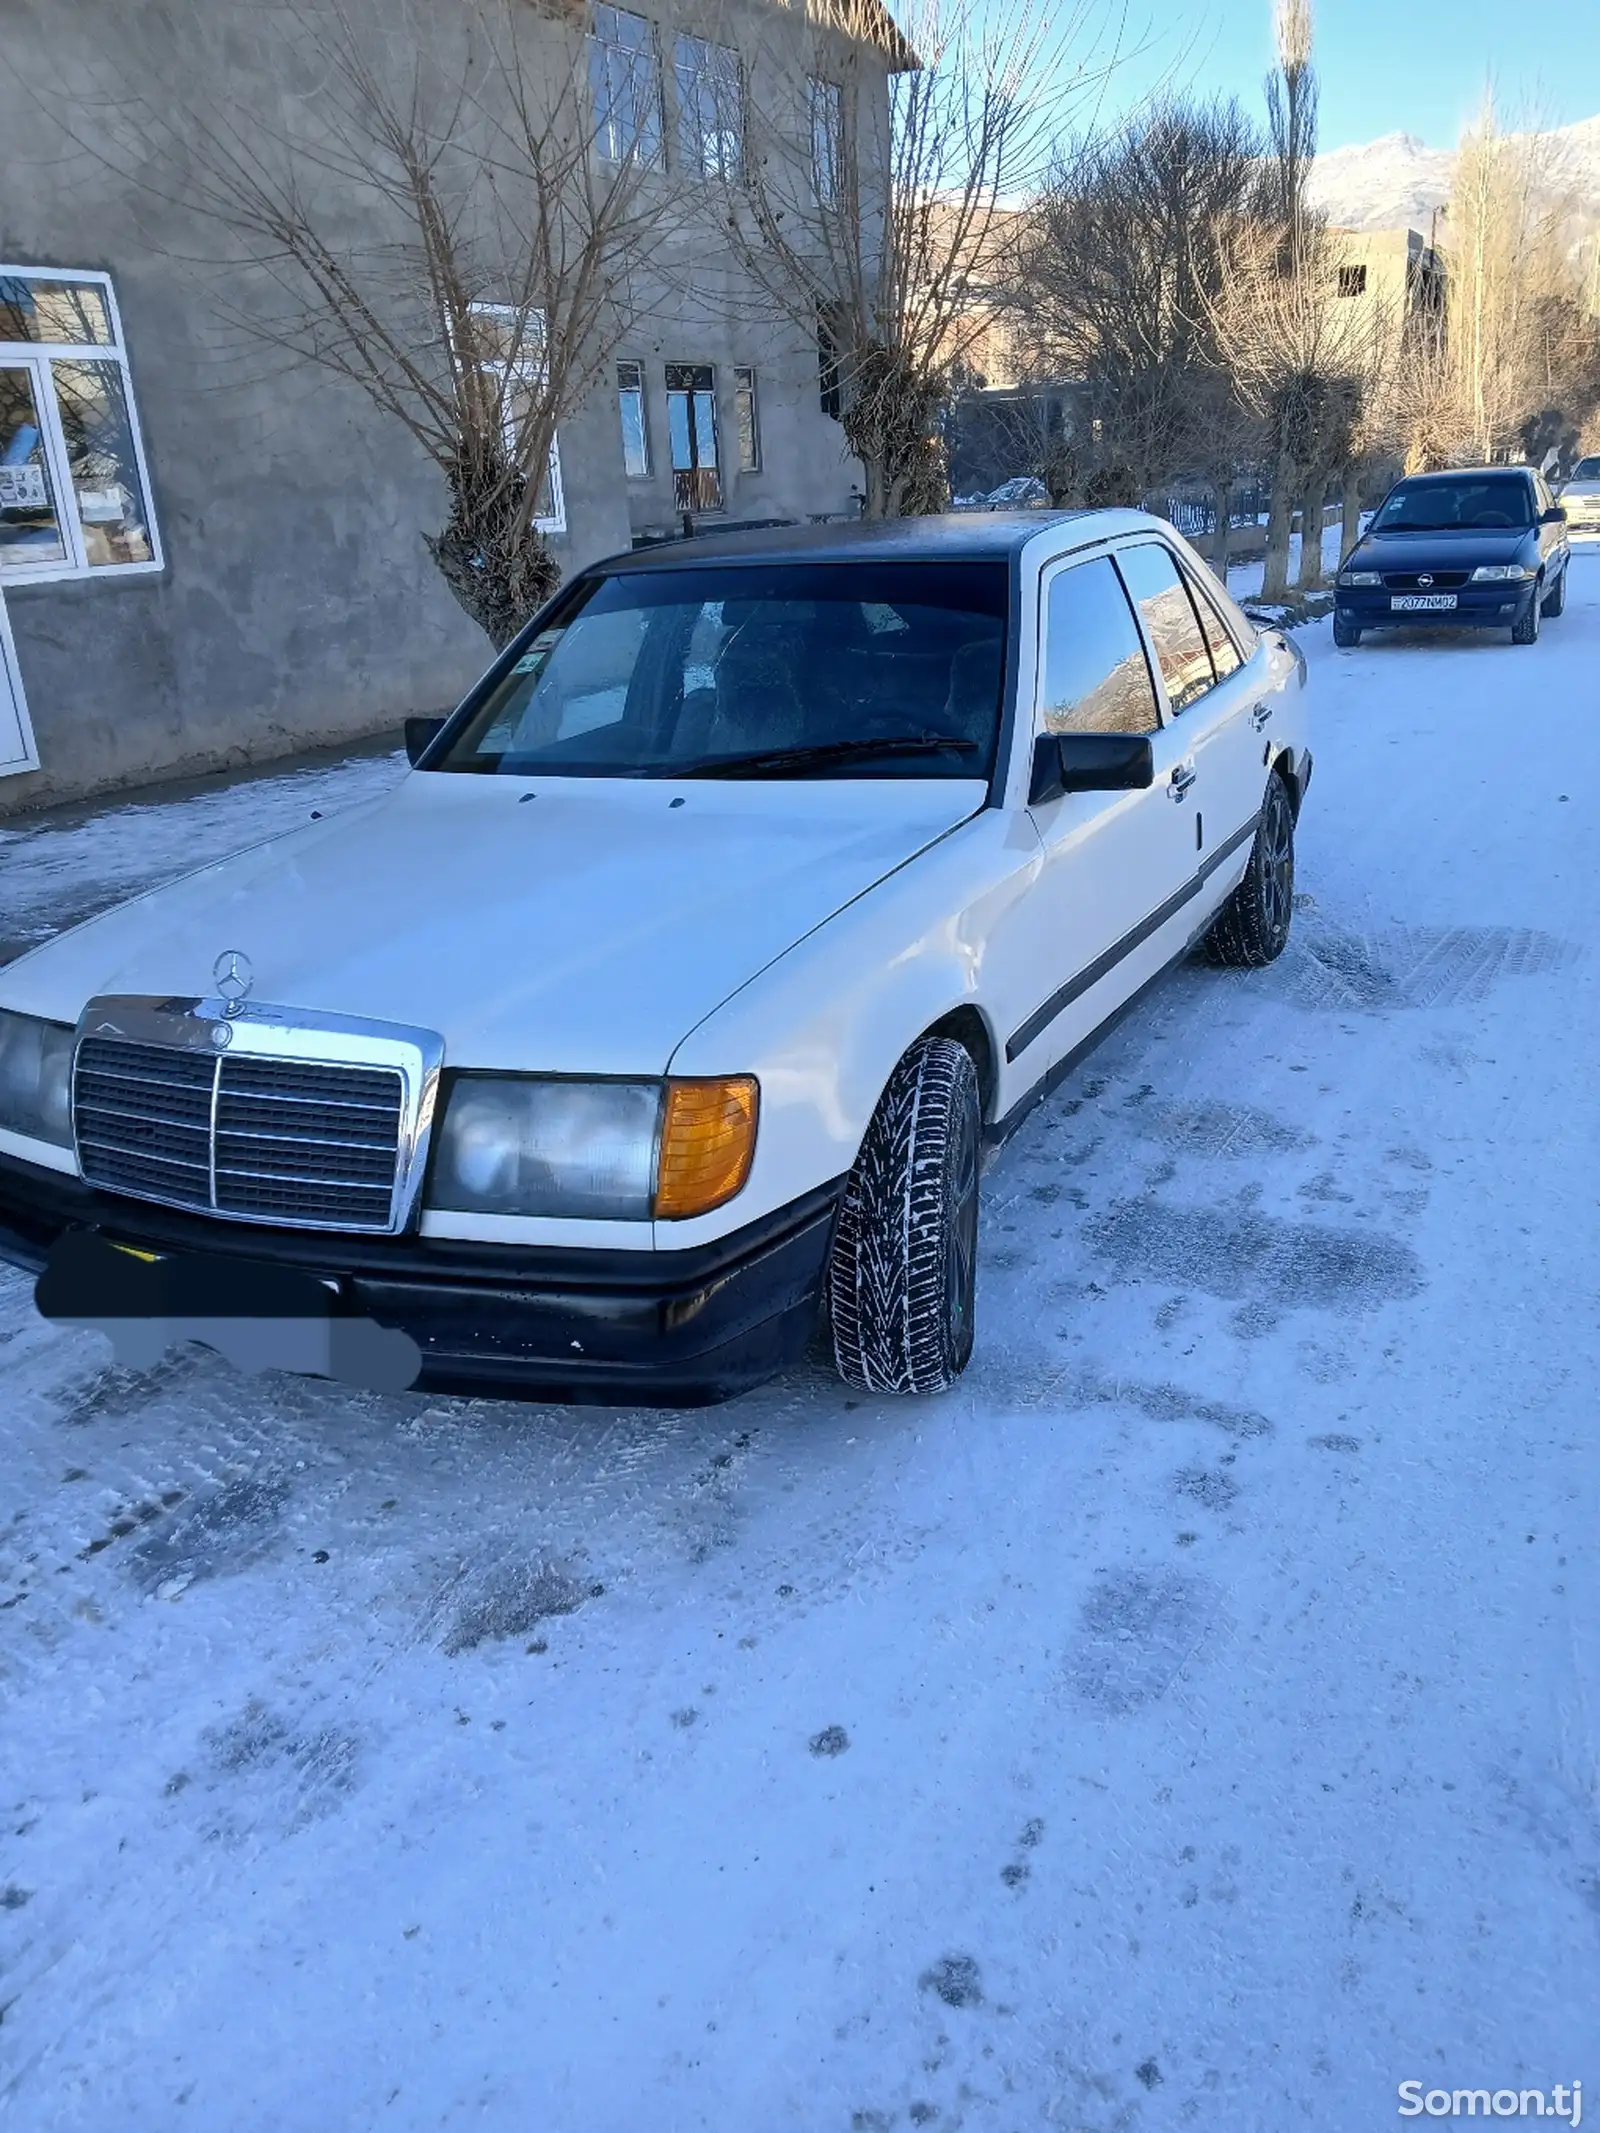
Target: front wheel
1346	634
1556	600
1526	631
1252	928
902	1272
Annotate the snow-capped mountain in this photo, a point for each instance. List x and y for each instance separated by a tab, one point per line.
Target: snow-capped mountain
1401	180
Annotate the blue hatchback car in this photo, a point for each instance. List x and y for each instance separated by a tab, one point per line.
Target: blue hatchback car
1478	547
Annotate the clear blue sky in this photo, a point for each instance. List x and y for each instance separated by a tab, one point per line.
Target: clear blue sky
1385	66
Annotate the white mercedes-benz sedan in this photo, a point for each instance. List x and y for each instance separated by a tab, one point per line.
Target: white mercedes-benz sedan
678	992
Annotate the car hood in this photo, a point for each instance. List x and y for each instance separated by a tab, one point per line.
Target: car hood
576	925
1463	550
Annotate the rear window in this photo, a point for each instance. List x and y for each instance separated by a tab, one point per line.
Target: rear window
839	669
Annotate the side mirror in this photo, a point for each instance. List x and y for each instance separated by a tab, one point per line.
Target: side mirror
1555	516
420	734
1090	762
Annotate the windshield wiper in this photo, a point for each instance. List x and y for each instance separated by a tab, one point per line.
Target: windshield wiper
777	760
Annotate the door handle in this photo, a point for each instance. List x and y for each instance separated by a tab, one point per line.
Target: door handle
1260	715
1181	780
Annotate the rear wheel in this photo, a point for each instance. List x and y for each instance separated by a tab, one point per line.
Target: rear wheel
1526	629
1252	928
1555	599
901	1276
1345	633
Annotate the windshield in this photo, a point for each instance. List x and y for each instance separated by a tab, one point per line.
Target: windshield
1586	470
1487	501
860	670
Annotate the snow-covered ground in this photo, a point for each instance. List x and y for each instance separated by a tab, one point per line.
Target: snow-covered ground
1191	1721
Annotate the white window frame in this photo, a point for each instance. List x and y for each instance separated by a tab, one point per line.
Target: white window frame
709	80
825	102
527	366
641	388
14	697
629	74
37	356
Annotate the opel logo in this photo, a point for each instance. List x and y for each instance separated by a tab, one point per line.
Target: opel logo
1425	579
233	976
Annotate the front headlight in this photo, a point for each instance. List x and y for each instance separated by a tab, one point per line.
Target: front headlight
1360	577
1501	574
36	1078
616	1151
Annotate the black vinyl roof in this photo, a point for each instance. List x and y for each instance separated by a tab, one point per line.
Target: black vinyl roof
954	537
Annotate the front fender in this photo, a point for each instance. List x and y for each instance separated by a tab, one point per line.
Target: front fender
823	1027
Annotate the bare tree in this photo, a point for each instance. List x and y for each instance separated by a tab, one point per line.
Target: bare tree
438	226
1516	345
1511	363
887	234
1309	364
1123	261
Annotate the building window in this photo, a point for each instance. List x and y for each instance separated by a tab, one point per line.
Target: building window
830	384
74	488
692	434
510	347
625	77
635	428
1353	280
710	107
747	420
827	135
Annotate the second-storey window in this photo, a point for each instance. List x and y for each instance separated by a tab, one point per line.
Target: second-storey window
827	134
710	107
692	434
635	428
625	78
74	493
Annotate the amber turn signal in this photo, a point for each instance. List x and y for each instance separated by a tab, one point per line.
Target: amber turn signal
708	1136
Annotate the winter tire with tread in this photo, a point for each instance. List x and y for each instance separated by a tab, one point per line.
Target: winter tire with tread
1556	599
901	1272
1252	928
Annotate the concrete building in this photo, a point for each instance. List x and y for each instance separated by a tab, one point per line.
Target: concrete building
1393	273
210	556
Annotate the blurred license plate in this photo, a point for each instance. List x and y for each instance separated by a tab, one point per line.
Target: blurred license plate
1409	603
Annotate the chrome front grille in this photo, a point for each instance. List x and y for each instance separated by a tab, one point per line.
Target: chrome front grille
258	1138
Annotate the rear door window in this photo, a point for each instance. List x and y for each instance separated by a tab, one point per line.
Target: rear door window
1094	677
1226	657
1162	598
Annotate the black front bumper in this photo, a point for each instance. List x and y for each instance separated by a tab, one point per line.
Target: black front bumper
531	1322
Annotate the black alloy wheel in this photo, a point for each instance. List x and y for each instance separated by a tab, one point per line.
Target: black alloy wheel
1252	928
